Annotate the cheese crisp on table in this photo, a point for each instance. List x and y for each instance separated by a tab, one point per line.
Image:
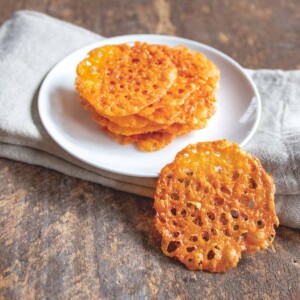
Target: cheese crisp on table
147	94
213	202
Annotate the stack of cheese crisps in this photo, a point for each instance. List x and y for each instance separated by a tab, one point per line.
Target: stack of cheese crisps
147	94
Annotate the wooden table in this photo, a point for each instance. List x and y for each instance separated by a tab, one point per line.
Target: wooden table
61	237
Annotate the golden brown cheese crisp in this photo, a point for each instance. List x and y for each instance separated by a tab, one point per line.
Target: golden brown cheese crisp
120	80
213	202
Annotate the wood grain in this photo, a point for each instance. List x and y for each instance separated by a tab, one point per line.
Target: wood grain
259	34
63	238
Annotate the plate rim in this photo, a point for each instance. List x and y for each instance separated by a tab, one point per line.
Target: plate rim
136	37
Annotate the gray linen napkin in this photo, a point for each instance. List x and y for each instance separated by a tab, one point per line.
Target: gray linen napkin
31	43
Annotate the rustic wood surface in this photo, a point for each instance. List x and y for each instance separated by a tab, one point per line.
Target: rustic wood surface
63	238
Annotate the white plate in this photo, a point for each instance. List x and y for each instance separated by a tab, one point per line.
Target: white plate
237	117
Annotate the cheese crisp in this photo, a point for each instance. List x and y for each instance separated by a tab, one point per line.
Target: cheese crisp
213	202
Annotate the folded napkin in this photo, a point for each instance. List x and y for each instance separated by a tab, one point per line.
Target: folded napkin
31	43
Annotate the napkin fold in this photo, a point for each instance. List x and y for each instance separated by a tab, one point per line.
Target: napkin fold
31	43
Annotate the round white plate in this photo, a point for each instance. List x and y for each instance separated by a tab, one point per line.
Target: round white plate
70	125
